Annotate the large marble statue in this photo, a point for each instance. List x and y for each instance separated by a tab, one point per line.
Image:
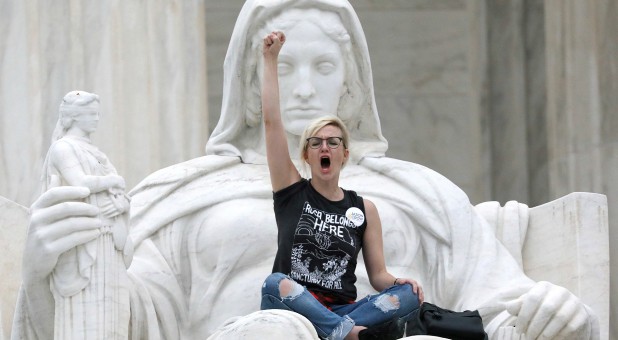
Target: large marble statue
204	230
89	282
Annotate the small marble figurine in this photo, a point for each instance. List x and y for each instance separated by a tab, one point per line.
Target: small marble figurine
89	282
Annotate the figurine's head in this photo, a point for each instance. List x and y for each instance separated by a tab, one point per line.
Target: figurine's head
80	109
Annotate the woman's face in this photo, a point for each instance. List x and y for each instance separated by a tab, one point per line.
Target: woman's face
311	76
325	161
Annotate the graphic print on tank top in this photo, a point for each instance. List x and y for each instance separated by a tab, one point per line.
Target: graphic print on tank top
324	243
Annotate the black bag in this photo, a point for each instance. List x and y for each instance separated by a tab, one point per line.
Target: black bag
430	319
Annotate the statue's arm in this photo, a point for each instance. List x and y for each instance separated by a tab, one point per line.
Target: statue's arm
64	159
549	311
58	222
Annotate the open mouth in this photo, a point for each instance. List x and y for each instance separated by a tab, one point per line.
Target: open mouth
325	162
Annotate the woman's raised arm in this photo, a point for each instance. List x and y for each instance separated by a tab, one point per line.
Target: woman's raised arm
282	171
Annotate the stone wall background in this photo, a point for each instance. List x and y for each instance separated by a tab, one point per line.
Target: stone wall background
510	99
144	59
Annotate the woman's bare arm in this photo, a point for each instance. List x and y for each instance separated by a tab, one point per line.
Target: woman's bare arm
282	171
373	254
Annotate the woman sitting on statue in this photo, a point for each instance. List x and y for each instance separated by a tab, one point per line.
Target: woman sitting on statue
322	228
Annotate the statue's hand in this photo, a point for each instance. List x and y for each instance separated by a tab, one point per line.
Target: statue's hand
118	182
548	311
59	221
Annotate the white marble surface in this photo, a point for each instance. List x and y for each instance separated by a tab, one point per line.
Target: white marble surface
275	324
13	228
577	257
565	242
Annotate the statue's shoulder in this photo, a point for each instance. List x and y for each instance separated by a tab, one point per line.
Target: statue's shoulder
414	176
63	149
393	165
184	171
61	145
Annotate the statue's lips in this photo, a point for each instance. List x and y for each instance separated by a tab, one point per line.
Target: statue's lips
304	113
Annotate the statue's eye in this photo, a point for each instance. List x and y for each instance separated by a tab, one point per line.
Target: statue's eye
326	67
284	68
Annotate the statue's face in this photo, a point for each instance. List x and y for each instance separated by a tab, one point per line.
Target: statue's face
87	121
311	76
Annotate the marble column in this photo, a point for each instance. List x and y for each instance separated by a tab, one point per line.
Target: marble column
551	79
582	83
516	101
506	68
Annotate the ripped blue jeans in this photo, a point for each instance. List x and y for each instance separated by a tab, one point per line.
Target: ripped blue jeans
336	324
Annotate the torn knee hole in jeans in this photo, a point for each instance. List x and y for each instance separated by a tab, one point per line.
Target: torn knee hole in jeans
289	289
387	303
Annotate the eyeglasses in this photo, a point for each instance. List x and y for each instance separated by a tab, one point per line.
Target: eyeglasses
316	142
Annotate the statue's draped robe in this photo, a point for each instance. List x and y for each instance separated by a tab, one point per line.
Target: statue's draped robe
90	283
442	241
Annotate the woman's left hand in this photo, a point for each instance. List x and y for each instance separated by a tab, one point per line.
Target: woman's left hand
416	288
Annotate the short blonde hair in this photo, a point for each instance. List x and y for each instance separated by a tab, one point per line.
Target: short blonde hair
316	125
